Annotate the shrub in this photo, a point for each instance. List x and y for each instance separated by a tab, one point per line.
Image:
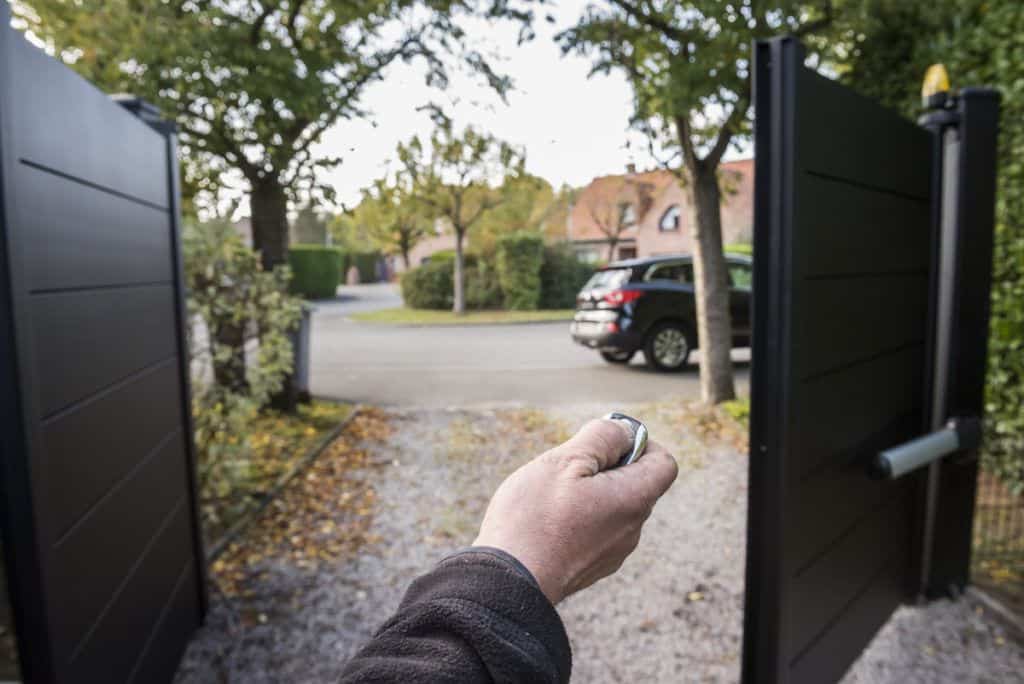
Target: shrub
519	259
562	276
229	290
365	263
482	288
316	270
429	286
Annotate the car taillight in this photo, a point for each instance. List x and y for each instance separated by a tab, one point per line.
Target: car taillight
620	297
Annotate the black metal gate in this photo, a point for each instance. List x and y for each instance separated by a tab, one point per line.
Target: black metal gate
100	532
849	284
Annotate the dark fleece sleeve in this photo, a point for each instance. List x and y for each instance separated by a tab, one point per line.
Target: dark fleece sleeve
479	616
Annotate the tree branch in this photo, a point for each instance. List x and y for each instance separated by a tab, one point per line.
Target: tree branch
653	22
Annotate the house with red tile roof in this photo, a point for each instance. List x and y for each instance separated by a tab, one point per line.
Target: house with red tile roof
640	214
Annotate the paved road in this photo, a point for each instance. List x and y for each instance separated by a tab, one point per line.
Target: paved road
534	364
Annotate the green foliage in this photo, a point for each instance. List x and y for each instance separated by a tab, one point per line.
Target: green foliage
316	270
980	44
389	217
452	176
738	410
429	286
562	276
366	264
483	288
253	86
228	289
740	248
519	259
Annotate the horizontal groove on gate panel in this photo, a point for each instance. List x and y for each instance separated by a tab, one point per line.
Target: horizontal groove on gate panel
823	589
836	411
827	656
165	645
90	563
90	238
874	148
841	322
140	463
92	140
846	492
87	450
121	632
86	341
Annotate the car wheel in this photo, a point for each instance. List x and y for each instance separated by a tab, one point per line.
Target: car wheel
617	357
667	347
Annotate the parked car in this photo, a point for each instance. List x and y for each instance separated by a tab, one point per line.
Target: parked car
648	304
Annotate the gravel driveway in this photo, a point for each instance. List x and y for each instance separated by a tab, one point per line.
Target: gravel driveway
673	613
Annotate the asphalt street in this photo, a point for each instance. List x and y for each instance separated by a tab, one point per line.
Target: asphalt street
472	365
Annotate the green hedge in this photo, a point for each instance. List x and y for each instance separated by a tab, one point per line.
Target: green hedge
316	270
366	264
431	286
519	259
562	276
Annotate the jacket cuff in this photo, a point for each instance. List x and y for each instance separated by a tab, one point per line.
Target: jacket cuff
497	581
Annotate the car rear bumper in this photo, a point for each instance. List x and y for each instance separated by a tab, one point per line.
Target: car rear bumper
603	330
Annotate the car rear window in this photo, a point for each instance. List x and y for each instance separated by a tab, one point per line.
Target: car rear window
608	279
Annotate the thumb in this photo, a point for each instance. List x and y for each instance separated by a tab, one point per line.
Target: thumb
645	480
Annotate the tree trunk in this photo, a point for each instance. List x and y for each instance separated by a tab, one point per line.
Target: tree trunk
459	305
612	243
269	206
711	276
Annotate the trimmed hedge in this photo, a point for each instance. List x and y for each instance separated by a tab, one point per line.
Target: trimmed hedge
366	264
316	270
519	260
562	276
431	286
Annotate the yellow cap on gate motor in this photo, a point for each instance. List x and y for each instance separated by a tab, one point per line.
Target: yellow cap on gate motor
936	81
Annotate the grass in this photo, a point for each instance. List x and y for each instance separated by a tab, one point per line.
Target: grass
404	316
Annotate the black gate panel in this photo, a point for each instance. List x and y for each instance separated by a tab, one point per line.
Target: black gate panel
101	533
843	238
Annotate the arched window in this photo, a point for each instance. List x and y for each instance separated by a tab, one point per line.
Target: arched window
670	219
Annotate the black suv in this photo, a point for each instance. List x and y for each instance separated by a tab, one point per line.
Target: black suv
649	304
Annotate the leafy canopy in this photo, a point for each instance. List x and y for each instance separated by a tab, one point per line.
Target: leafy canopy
459	176
253	84
688	62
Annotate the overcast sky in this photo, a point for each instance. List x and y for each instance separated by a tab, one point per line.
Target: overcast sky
573	128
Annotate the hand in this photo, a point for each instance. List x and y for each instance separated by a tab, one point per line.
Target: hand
570	518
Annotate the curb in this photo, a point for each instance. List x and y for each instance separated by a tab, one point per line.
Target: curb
236	530
1013	622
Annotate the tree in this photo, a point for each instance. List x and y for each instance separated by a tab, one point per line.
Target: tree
980	43
616	204
459	179
527	205
689	66
253	85
390	216
310	226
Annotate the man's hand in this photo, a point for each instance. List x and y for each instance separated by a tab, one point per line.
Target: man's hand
568	516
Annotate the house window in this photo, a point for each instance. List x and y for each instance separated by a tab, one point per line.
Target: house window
670	219
627	252
627	215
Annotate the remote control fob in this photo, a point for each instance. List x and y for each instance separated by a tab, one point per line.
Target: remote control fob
639	432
